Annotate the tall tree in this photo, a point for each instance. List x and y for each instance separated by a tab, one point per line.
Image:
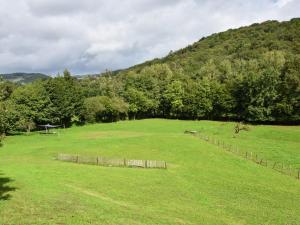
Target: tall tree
66	97
33	103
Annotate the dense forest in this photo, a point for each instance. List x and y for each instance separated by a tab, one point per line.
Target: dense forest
248	74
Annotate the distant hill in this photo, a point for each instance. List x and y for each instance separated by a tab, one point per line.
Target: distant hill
83	76
245	43
24	78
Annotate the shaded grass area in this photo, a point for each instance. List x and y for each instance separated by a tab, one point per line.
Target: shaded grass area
202	185
5	187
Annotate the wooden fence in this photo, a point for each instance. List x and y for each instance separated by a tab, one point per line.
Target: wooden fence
248	155
103	161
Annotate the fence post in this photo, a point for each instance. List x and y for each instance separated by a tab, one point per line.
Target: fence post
274	165
77	159
298	174
246	155
97	160
266	163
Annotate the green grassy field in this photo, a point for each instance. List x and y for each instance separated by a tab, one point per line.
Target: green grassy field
202	185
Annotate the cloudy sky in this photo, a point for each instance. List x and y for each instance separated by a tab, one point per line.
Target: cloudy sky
89	36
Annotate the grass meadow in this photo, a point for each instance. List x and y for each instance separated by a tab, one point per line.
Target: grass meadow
202	185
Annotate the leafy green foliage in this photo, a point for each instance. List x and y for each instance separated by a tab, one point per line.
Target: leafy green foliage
9	117
103	108
33	103
251	73
247	74
6	89
66	98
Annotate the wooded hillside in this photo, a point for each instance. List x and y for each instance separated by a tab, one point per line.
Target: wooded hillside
247	74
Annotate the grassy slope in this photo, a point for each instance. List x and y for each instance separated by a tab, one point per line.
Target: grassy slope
203	185
274	143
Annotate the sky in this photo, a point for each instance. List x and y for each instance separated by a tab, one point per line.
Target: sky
90	36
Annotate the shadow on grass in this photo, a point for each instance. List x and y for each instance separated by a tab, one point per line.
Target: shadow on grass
5	188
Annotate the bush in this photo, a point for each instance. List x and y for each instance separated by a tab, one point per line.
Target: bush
240	126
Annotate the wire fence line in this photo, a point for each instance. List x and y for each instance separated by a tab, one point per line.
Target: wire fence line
103	161
252	156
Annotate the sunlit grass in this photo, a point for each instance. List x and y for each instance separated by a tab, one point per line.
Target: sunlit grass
202	185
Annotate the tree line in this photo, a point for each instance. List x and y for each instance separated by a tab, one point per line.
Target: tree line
250	74
262	90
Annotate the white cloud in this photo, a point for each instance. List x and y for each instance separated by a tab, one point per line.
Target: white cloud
282	3
93	35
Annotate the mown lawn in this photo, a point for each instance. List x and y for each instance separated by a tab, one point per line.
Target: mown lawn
275	143
202	185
